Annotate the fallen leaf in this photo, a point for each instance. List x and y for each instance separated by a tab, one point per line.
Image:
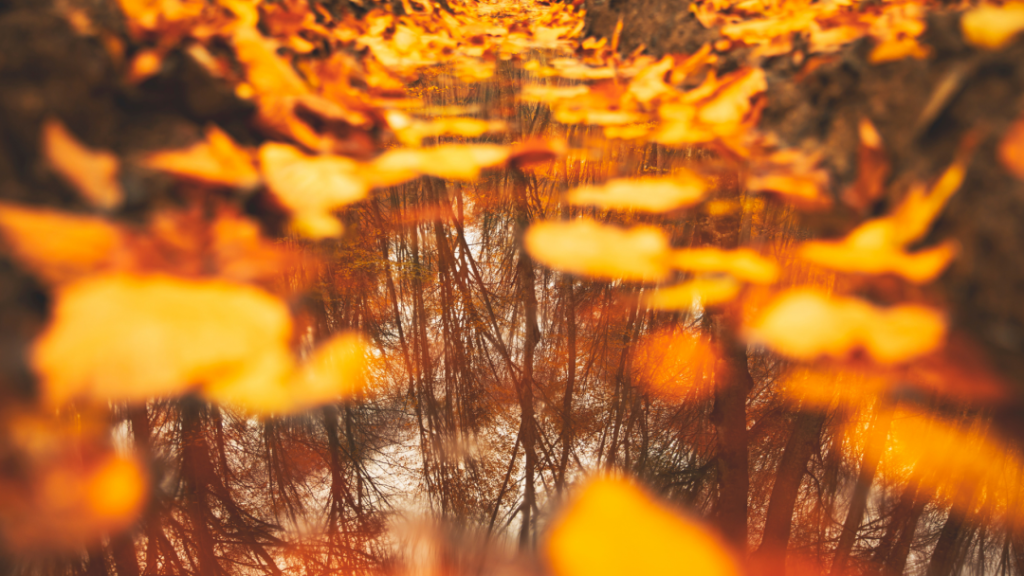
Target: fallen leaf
644	194
130	338
613	528
588	248
806	324
57	246
992	27
310	187
742	263
705	291
217	160
332	373
92	173
449	161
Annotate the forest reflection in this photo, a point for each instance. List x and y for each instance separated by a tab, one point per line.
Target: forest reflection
496	385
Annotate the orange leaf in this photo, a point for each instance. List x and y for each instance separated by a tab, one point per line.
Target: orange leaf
613	528
92	173
704	291
130	338
806	324
311	186
591	249
993	27
743	263
218	160
60	247
644	194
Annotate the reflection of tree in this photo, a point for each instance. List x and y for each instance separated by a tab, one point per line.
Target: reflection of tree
497	384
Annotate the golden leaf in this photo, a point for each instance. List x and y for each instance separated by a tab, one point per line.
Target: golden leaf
706	291
644	194
806	324
59	247
992	27
853	255
450	161
218	160
130	338
311	186
743	263
331	374
614	528
92	173
588	248
878	246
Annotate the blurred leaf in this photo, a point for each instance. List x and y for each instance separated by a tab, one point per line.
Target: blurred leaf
643	194
310	187
806	324
92	173
706	291
614	528
588	248
57	246
217	160
992	27
742	263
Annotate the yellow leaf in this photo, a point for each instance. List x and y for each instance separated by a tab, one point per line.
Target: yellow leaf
743	263
130	338
706	291
92	173
918	267
732	103
218	160
993	27
591	249
311	186
59	247
413	132
450	161
643	194
806	324
613	528
331	374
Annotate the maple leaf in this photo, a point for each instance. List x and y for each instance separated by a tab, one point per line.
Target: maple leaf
588	248
92	173
613	528
806	324
71	503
